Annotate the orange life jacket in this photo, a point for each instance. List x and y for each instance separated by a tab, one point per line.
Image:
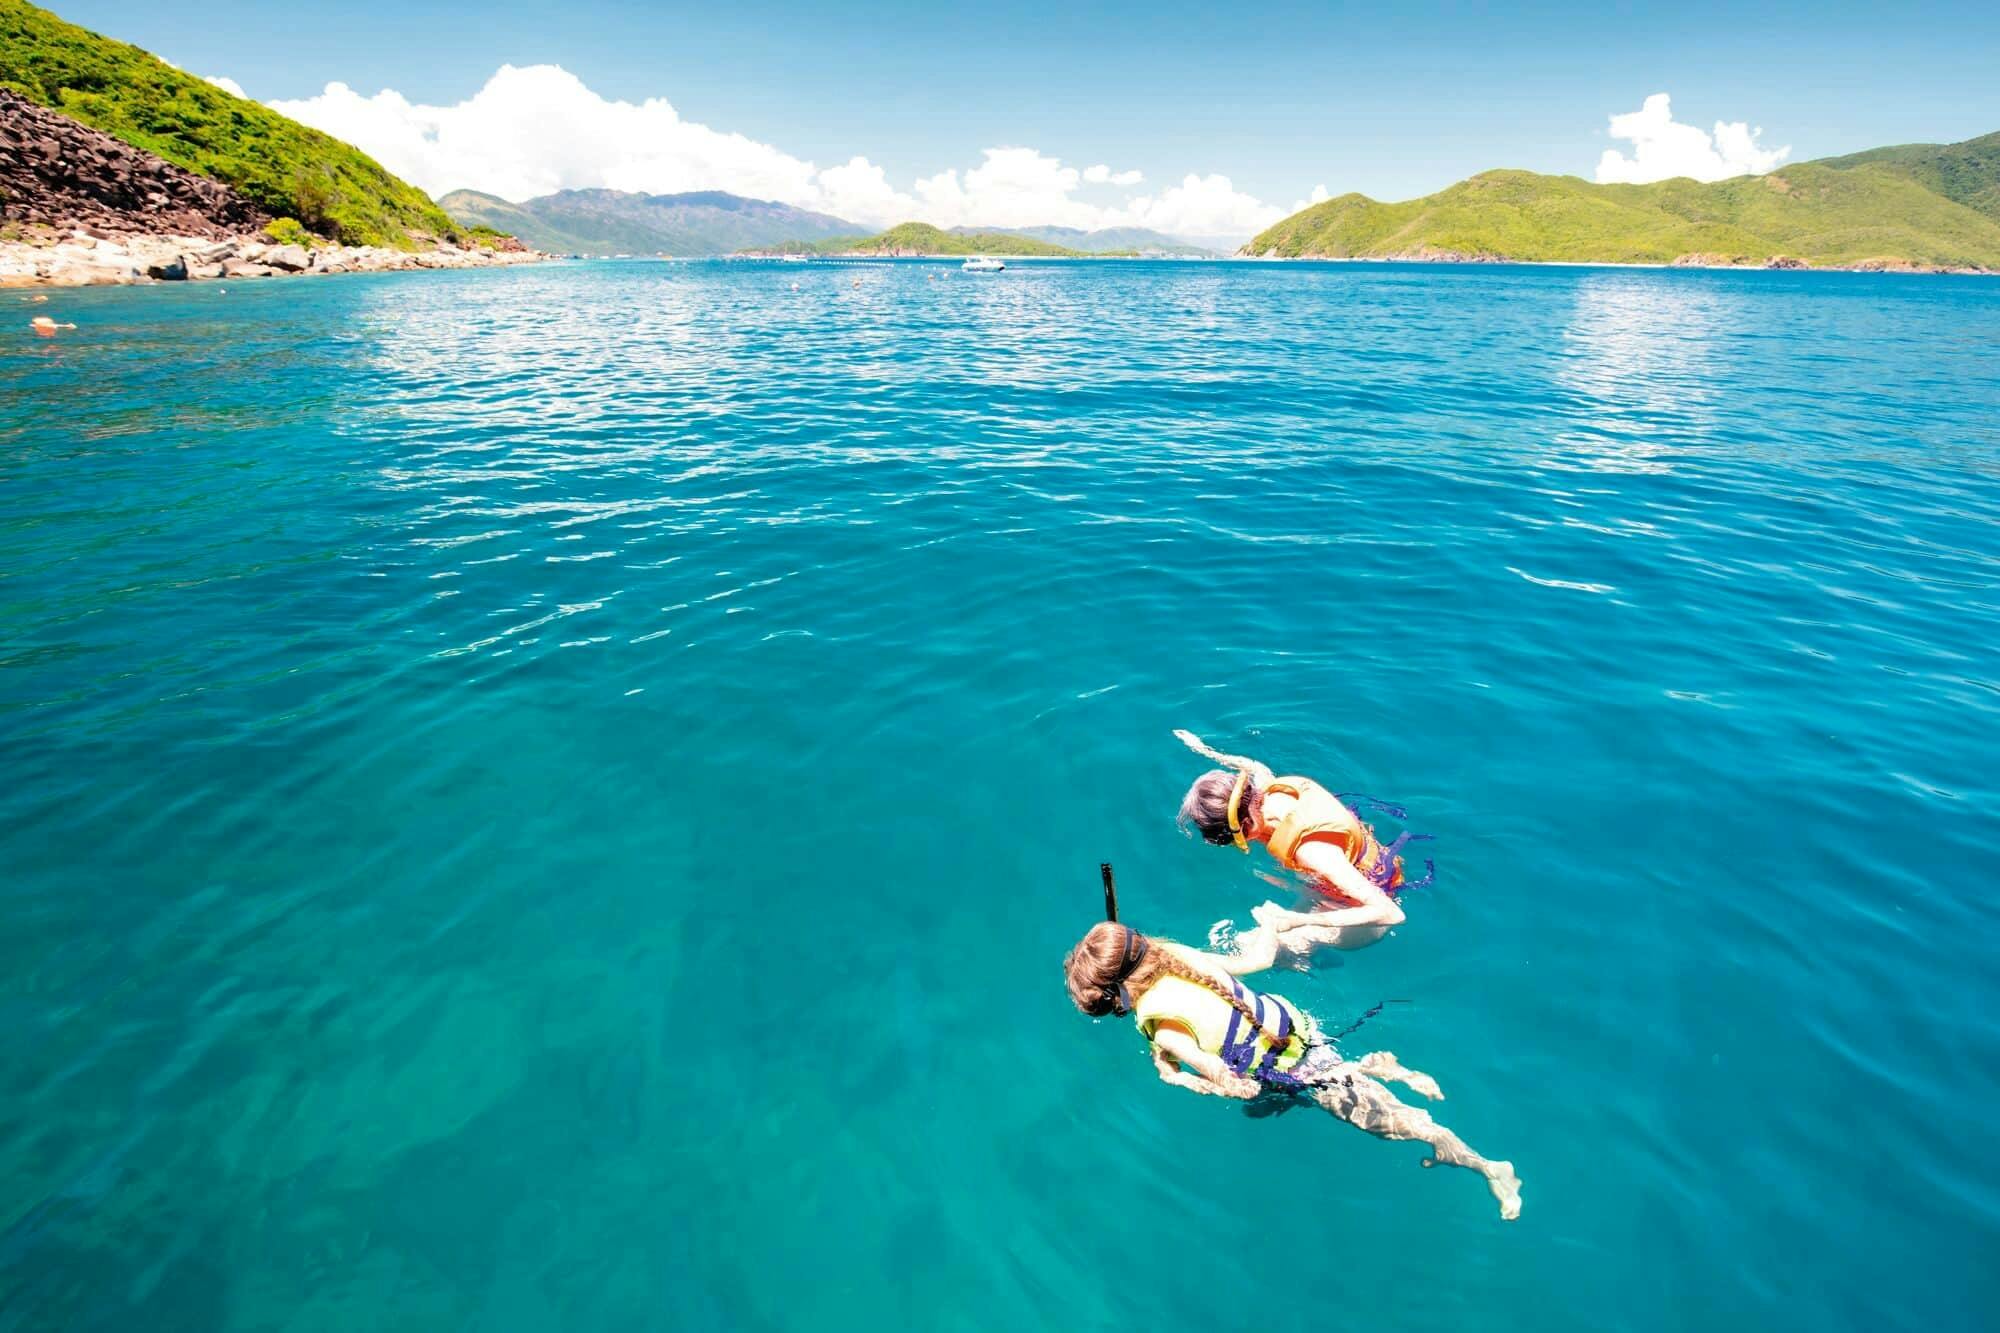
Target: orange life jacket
1318	815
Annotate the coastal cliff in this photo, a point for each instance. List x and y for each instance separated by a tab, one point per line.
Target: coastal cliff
116	167
79	207
55	172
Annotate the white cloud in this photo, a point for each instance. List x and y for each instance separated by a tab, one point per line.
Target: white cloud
1103	175
1204	208
1662	149
861	190
229	86
535	130
1013	187
1318	196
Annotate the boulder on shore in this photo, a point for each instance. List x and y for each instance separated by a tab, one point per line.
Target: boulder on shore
80	273
290	258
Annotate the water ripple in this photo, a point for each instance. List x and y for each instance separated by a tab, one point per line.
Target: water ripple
528	794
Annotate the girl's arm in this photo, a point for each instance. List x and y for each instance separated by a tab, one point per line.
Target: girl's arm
1331	918
1236	761
1171	1073
1330	863
1175	1052
1255	950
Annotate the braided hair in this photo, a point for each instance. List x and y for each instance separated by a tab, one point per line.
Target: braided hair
1113	965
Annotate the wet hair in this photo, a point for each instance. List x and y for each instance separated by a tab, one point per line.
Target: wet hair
1205	808
1097	967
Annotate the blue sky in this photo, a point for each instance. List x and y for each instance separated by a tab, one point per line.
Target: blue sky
1389	103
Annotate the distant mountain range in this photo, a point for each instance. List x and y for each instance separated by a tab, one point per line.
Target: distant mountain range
617	222
911	239
1127	240
710	222
914	239
1912	206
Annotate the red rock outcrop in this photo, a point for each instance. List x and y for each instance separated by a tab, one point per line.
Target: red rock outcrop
60	173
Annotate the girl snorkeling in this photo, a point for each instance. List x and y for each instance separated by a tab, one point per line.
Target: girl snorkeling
1307	829
1211	1034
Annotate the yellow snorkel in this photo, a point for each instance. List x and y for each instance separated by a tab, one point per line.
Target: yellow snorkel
1235	814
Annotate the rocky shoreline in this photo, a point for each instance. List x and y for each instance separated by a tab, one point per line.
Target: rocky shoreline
83	258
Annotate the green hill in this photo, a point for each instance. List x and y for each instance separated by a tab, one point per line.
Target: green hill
920	238
1967	173
279	164
472	208
1926	205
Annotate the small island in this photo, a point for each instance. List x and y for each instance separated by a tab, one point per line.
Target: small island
919	240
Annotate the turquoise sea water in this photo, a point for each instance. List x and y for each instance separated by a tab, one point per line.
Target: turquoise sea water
556	799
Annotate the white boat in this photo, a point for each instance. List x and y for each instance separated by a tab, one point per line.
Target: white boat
795	259
982	264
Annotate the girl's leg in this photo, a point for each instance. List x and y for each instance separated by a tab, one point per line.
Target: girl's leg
1361	1101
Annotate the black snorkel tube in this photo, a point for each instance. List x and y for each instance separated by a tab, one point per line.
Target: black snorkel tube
1136	945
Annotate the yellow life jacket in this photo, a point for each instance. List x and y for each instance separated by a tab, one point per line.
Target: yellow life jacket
1317	813
1221	1030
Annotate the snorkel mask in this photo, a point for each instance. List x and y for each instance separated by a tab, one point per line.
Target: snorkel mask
1120	996
1236	811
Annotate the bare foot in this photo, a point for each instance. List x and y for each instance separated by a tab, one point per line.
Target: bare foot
1506	1187
1424	1085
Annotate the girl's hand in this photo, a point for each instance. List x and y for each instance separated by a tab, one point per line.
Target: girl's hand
1229	1085
1236	761
1186	1065
1280	920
